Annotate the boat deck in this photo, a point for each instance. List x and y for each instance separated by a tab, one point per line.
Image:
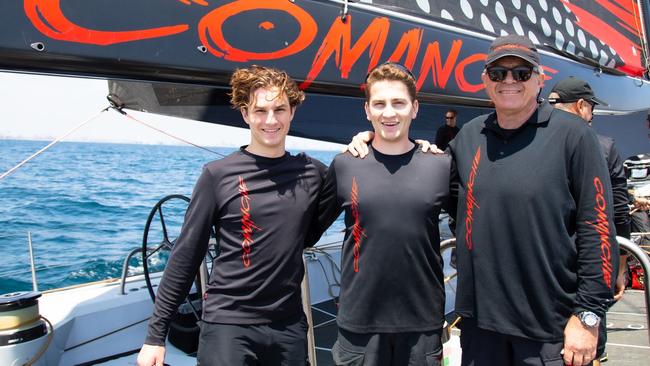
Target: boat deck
325	331
627	331
627	345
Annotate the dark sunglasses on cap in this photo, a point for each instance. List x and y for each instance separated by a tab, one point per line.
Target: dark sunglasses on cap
519	73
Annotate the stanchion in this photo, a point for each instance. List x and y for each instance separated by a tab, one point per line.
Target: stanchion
306	307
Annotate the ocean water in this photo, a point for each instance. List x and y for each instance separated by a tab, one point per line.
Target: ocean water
86	204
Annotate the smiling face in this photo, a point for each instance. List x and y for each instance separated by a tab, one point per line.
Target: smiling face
269	118
390	109
511	97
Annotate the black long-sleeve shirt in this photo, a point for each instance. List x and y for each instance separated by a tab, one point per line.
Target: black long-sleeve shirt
444	134
261	209
523	195
619	186
391	276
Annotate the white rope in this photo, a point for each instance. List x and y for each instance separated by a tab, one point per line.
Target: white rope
10	171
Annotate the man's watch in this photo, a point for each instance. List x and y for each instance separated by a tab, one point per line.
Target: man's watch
588	319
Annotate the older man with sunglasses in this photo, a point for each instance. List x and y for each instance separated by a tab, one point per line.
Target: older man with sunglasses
537	255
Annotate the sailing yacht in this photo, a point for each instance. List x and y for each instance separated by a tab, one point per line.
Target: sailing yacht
174	57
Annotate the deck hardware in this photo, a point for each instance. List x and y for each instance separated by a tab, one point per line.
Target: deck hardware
38	46
639	254
115	102
635	326
31	261
345	11
125	269
598	71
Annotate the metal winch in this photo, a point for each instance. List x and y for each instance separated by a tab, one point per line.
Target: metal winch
23	332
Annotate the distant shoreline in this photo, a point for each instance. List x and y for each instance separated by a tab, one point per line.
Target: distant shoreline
335	147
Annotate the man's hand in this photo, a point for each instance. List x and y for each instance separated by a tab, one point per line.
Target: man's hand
427	146
151	355
621	279
641	204
579	343
359	145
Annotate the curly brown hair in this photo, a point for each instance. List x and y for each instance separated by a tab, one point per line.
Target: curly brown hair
246	80
391	71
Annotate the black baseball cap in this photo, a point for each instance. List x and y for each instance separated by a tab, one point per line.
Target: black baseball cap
513	45
572	89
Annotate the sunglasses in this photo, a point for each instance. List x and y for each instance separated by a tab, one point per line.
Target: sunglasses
447	117
519	73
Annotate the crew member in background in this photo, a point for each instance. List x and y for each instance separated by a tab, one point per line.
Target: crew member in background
448	131
576	96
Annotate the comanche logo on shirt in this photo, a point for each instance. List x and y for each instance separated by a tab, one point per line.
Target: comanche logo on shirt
247	224
357	230
602	227
470	200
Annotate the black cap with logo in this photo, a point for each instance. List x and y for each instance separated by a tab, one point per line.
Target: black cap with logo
513	45
572	89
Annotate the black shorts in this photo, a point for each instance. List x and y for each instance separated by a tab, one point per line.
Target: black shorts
482	347
281	343
388	349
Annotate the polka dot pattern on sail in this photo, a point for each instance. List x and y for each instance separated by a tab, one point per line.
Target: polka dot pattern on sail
545	22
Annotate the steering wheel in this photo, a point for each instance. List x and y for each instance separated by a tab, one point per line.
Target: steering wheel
158	242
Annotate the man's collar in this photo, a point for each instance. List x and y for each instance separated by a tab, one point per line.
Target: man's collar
544	112
541	115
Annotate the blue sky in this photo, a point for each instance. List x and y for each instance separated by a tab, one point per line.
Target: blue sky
46	107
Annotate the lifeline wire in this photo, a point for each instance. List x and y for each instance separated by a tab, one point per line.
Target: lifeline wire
121	111
10	171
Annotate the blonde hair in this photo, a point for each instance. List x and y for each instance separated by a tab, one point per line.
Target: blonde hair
246	80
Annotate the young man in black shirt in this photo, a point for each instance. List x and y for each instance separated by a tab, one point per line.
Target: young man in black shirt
392	291
261	200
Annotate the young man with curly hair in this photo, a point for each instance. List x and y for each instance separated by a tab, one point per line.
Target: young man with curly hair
260	199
